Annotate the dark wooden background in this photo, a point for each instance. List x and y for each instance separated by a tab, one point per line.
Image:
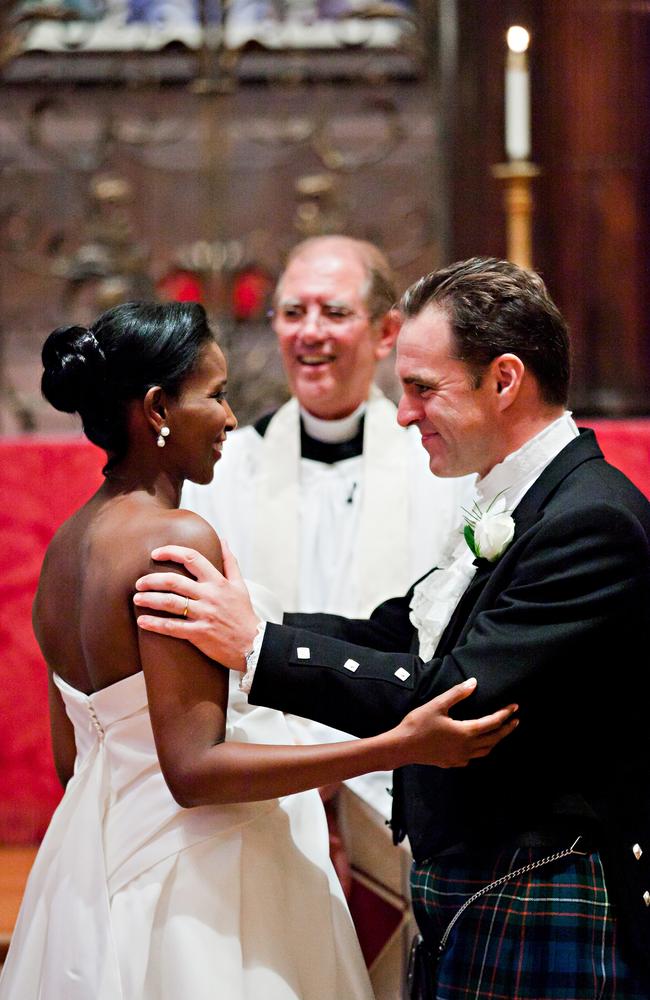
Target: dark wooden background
430	200
590	82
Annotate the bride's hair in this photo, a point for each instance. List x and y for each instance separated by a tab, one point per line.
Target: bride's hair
95	372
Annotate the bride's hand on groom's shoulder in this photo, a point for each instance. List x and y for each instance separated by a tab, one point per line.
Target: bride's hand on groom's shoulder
210	609
433	737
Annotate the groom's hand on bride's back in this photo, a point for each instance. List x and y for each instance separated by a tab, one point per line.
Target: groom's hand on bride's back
210	609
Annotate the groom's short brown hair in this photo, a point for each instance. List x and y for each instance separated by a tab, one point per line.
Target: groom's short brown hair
494	308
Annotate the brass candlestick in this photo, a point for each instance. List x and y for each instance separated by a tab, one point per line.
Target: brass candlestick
517	176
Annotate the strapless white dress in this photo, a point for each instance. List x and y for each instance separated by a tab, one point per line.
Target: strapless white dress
132	897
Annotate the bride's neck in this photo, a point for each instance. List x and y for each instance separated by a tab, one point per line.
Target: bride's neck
152	484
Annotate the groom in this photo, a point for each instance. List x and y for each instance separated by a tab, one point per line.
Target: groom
543	599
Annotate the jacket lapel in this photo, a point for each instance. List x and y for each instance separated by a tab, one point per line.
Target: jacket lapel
582	449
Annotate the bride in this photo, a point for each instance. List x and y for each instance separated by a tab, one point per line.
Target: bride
179	862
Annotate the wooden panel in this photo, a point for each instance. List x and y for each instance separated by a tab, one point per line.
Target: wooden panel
478	224
594	241
216	176
591	93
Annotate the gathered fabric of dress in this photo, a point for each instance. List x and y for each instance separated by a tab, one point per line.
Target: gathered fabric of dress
132	897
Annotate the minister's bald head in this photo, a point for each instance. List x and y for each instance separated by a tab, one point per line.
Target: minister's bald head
334	315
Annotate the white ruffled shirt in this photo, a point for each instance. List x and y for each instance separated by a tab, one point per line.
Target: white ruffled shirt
436	597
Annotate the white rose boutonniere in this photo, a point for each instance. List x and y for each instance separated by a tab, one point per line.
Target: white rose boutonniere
489	532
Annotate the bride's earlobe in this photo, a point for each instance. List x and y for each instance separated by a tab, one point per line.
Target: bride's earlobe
155	412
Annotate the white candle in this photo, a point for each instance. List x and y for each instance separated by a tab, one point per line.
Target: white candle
517	95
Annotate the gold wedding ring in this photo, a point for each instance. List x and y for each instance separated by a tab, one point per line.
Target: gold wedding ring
187	604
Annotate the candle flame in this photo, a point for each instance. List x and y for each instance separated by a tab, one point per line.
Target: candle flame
518	38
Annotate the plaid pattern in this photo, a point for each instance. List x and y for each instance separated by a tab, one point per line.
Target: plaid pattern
547	935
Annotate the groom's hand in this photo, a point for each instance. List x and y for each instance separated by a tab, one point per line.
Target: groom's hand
212	610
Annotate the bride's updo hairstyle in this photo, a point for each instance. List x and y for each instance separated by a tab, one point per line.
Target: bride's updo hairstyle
97	371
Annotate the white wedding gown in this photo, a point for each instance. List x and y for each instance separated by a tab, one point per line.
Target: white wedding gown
133	898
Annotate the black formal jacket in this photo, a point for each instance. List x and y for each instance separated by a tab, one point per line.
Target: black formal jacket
559	624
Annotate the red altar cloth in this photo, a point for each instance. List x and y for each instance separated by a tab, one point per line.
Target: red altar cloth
42	481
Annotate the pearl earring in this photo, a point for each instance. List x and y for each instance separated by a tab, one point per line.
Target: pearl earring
164	433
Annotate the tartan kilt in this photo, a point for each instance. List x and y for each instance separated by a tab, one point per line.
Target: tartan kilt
549	934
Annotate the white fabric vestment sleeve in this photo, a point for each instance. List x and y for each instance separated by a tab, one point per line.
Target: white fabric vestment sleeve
265	604
330	509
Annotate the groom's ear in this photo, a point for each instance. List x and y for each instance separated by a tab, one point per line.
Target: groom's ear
154	407
507	372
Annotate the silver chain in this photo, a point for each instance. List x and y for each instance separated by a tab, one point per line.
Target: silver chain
507	878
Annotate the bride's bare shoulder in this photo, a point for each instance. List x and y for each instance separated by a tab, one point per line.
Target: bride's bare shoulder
184	527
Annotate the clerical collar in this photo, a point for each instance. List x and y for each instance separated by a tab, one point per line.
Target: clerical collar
519	470
328	453
333	431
